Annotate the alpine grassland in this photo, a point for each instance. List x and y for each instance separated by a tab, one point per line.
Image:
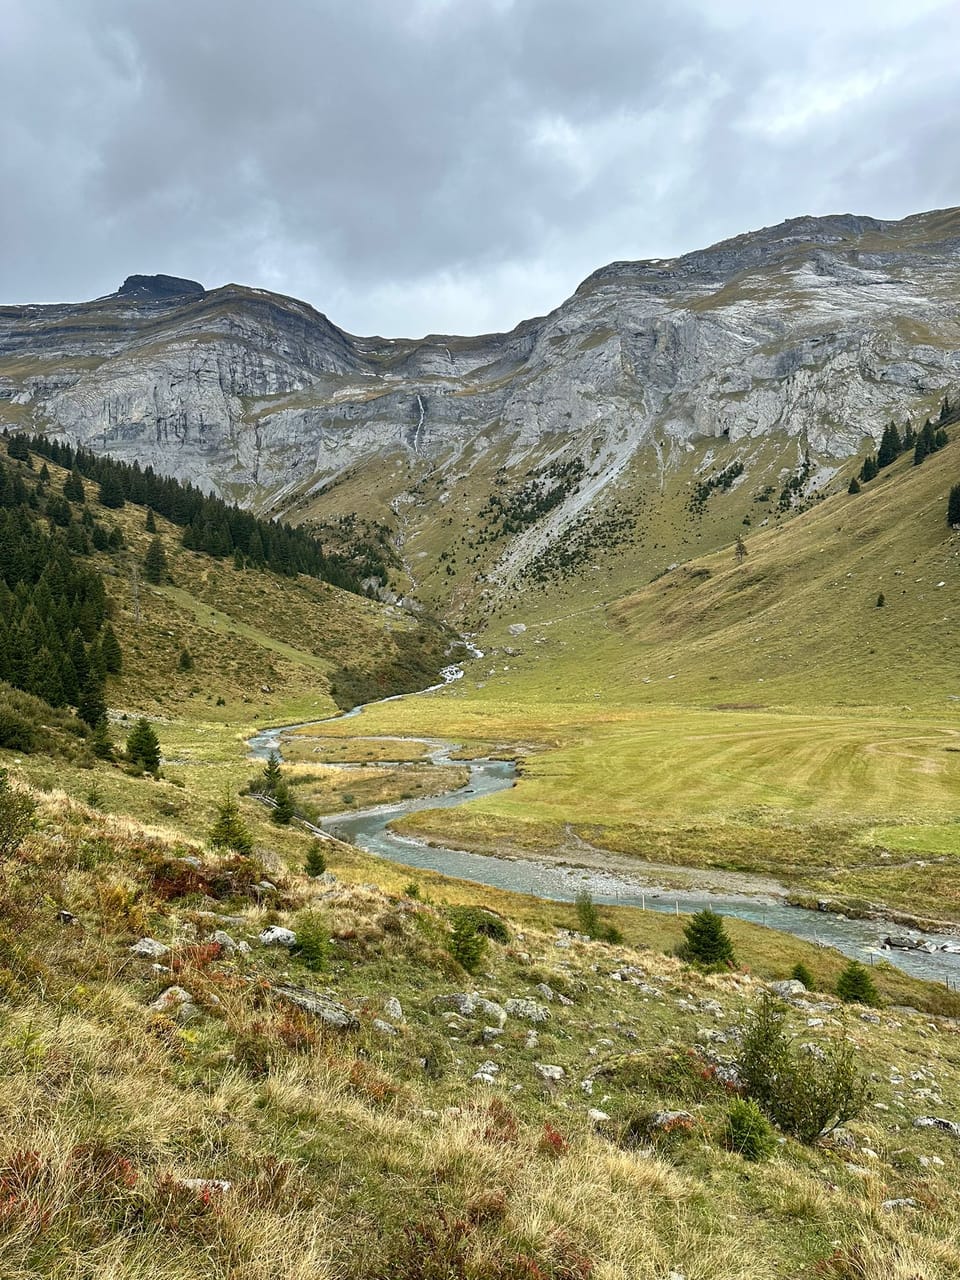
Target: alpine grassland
238	1050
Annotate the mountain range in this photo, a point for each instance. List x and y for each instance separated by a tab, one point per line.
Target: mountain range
580	442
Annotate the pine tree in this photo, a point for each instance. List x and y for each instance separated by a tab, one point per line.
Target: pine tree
740	549
855	985
869	469
110	651
73	489
953	507
283	810
229	831
155	562
143	746
111	490
150	525
91	707
185	661
926	443
101	741
940	438
706	941
854	485
316	862
881	600
890	446
272	777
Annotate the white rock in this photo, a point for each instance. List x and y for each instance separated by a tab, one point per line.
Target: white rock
548	1072
393	1009
276	936
149	949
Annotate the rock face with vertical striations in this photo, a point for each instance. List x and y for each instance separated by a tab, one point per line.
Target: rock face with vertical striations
803	339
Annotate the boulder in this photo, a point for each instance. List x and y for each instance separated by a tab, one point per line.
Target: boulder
527	1010
329	1011
149	949
789	988
470	1004
548	1072
937	1122
393	1009
276	936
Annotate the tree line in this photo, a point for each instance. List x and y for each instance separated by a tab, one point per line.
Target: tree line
56	641
210	525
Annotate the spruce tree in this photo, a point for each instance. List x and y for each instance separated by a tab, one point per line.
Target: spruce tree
143	746
91	707
881	600
316	862
73	489
890	446
272	777
855	985
854	485
150	525
926	443
229	831
111	490
185	661
953	507
155	562
110	651
706	941
283	810
101	741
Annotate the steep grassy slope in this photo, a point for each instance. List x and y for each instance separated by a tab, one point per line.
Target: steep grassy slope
177	1116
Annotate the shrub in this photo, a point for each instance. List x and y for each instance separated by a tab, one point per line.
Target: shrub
706	941
855	985
229	831
748	1131
483	922
283	810
800	973
315	863
466	945
806	1095
590	921
16	817
313	940
143	746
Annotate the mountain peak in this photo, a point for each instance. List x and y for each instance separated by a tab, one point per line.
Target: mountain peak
159	288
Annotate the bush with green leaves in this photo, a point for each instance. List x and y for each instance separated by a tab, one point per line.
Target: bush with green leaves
590	921
706	941
484	922
856	986
313	939
800	973
748	1132
806	1094
466	945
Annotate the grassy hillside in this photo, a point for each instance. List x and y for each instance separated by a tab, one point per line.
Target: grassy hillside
764	717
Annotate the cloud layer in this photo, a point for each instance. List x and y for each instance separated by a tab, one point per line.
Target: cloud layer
449	166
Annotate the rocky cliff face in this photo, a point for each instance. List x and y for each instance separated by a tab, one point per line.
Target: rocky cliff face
813	333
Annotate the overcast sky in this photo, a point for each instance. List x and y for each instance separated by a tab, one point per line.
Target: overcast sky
450	165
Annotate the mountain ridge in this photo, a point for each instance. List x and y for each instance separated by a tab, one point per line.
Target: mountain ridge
795	342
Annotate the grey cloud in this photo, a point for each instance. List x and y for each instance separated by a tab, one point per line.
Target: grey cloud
445	165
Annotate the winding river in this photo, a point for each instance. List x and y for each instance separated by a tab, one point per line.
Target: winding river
369	829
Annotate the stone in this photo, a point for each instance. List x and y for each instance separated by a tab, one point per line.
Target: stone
471	1005
223	939
901	1202
329	1011
149	949
788	988
532	1040
489	1034
177	1002
66	917
937	1122
517	628
393	1009
544	990
597	1116
276	936
548	1072
666	1120
527	1010
384	1028
218	1185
